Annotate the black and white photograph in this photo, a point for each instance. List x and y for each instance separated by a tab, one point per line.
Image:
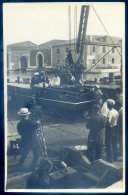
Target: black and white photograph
64	97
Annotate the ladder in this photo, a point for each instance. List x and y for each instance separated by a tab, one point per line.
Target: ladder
82	31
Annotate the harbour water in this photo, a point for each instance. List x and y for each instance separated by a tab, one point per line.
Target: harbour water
12	75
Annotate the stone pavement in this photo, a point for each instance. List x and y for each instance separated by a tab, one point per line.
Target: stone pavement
58	136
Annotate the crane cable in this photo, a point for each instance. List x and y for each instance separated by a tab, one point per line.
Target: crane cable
75	28
69	23
105	29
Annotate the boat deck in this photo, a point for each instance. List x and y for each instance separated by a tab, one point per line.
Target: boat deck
65	87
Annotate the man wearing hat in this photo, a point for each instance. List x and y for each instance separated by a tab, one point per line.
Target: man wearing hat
26	129
42	78
34	80
111	131
96	124
97	91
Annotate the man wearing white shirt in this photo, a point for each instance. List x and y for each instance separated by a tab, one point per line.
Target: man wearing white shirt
111	132
56	80
104	110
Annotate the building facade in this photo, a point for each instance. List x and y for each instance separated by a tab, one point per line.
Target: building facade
100	52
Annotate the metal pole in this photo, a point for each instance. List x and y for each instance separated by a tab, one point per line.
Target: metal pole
69	24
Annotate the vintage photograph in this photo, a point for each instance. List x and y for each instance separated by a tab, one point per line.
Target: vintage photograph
64	92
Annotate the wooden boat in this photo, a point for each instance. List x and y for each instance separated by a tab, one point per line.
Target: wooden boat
55	100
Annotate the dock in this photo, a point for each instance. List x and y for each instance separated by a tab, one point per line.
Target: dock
59	136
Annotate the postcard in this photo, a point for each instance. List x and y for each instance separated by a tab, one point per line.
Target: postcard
64	92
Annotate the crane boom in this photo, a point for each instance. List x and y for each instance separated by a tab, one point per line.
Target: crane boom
82	31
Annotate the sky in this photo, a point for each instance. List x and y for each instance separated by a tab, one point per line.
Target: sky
42	22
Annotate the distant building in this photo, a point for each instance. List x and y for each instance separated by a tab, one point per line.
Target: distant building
31	56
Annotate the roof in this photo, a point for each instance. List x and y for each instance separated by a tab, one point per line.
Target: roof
22	46
51	43
24	43
90	39
104	39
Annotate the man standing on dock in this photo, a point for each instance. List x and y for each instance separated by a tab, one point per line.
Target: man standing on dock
96	124
111	132
26	129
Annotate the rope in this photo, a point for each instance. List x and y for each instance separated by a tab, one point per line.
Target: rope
69	23
75	29
105	28
74	26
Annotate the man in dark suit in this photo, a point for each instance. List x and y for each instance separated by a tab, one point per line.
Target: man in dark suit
26	129
96	124
34	80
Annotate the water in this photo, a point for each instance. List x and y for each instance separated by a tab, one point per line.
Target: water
12	75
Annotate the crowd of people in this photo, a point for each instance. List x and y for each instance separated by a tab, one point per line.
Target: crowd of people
64	75
70	75
104	121
44	81
105	125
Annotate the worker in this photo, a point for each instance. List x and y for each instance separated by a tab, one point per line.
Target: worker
26	129
104	112
104	109
111	132
47	81
56	80
39	179
42	77
34	80
120	132
97	92
96	124
70	79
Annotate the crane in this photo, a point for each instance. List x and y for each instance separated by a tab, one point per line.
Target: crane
80	43
82	32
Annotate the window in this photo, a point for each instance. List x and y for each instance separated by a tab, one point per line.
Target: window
67	50
93	49
113	50
113	60
58	61
58	51
104	39
103	49
93	61
103	60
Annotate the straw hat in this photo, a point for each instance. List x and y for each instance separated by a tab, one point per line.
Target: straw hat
36	73
24	112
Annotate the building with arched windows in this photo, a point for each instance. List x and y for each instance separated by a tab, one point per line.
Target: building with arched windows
99	50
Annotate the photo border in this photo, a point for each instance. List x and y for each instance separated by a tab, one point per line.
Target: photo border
2	83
